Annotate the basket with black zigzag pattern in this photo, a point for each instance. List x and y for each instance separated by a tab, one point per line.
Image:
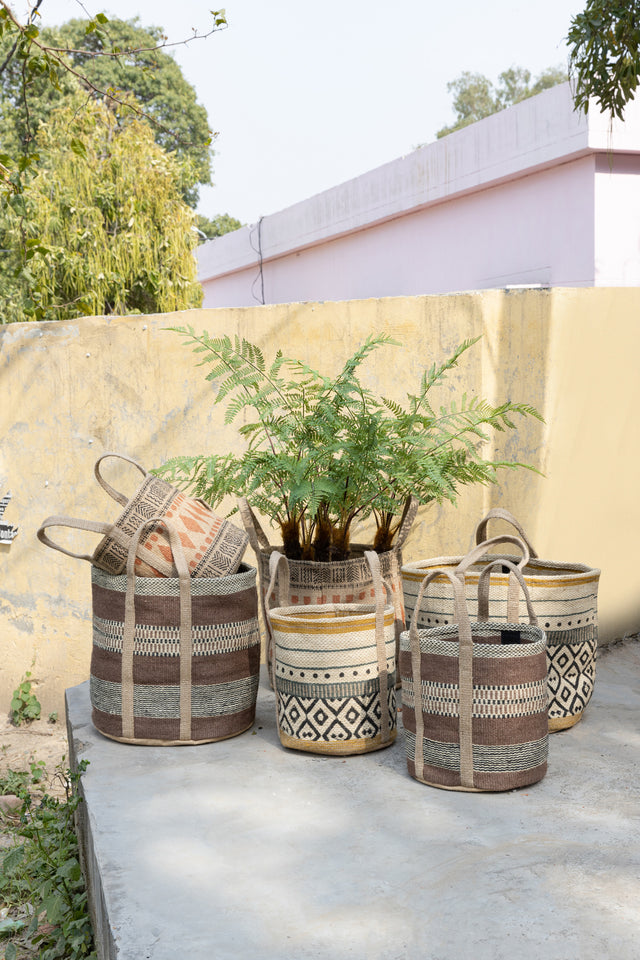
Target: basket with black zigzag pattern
175	660
564	597
474	694
333	670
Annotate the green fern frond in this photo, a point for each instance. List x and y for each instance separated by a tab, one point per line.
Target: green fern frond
323	450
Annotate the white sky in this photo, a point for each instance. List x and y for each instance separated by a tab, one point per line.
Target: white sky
306	95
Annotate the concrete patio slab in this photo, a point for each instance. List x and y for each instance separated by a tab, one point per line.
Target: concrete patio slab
242	850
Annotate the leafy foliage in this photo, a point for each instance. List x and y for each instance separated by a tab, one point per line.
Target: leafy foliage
25	706
18	782
41	881
142	70
322	452
111	60
100	227
91	220
476	97
216	226
604	54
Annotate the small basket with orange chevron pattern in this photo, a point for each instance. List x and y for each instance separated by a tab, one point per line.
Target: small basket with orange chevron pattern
212	545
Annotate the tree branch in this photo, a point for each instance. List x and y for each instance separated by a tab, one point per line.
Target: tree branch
28	34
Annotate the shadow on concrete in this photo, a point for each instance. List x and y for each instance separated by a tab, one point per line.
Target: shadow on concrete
244	849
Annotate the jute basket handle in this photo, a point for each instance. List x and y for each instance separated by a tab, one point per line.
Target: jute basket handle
257	537
406	522
513	593
276	561
120	497
113	493
477	552
484	585
465	681
186	638
498	513
381	650
95	526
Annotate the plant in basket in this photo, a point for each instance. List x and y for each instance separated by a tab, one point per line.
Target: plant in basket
325	452
321	454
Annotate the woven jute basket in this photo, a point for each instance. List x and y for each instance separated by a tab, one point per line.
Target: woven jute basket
564	597
339	581
474	697
333	670
212	545
175	660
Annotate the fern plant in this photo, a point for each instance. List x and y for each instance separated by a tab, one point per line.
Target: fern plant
322	452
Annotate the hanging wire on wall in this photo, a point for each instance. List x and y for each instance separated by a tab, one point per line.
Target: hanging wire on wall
260	277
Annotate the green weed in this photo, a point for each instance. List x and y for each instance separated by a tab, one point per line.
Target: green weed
25	706
44	901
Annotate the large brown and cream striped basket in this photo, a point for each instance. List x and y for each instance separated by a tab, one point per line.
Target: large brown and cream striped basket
175	660
340	581
564	597
333	670
212	545
474	694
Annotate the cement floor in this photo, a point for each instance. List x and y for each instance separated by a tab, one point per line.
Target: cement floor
244	850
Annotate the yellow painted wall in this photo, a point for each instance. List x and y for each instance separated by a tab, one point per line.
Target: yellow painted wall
70	391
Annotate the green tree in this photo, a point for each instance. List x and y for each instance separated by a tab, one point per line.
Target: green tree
604	54
120	58
100	227
217	226
93	219
475	96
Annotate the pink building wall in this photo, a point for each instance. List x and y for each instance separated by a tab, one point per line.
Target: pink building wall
535	195
617	220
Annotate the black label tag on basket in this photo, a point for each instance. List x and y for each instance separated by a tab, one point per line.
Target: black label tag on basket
510	636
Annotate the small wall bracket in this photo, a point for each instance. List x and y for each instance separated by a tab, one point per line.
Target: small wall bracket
7	531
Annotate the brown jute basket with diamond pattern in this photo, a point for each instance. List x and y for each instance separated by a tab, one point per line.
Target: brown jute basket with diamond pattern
564	597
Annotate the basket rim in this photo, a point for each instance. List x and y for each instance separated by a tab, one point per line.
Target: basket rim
571	572
118	581
359	558
318	615
427	635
